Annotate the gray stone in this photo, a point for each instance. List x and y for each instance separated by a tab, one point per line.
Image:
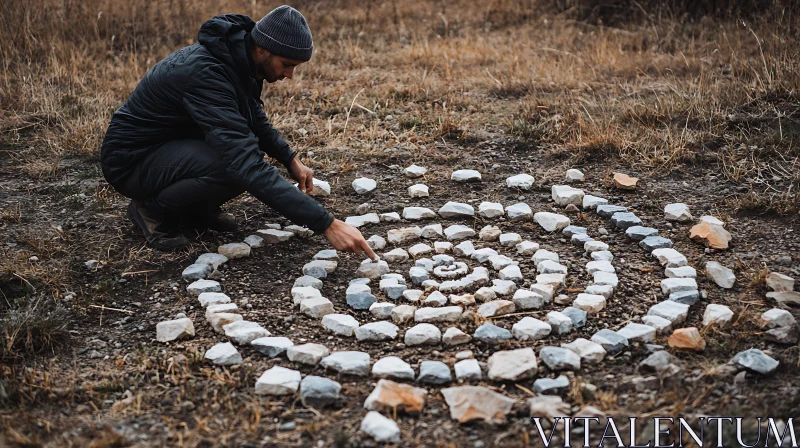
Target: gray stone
491	334
549	386
272	346
580	239
557	358
559	322
347	363
254	241
657	361
212	259
318	392
200	286
685	297
577	316
359	297
755	360
611	341
573	230
274	236
623	220
381	310
308	280
196	271
435	373
639	233
638	332
652	243
606	210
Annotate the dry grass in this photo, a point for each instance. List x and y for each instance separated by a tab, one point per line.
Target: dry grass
663	93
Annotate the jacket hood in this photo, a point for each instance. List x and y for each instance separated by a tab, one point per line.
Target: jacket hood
225	37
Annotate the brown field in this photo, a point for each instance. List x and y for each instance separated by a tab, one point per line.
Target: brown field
669	95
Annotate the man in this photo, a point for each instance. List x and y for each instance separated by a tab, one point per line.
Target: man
193	134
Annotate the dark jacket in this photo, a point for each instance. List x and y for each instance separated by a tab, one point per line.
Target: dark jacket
208	91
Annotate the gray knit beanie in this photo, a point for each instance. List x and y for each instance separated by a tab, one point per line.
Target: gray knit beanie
284	32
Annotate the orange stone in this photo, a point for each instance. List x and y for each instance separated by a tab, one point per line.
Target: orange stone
687	339
389	397
625	182
711	235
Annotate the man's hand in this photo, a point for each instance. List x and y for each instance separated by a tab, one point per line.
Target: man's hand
302	174
347	238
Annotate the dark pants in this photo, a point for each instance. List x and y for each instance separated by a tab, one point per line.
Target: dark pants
180	178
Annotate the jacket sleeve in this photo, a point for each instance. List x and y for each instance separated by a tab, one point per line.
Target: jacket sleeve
269	139
210	100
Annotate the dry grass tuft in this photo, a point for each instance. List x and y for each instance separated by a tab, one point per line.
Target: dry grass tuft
37	325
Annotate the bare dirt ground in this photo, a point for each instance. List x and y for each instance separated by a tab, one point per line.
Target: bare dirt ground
686	114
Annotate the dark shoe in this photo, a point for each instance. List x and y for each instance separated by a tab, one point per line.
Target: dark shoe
216	220
158	233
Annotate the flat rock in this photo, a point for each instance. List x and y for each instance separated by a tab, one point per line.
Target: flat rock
392	367
442	247
371	270
212	298
512	365
591	202
422	334
717	315
588	351
677	212
490	209
527	300
638	332
710	235
468	403
625	182
376	331
318	392
381	310
638	233
305	292
362	220
602	290
223	354
278	381
435	373
244	332
670	258
776	318
458	232
671	285
754	360
212	259
623	220
491	334
468	370
551	386
681	272
417	213
234	250
389	396
316	307
652	243
376	242
299	231
721	275
172	330
687	339
463	249
254	241
557	358
347	363
466	176
414	171
403	314
456	210
578	316
200	286
418	191
432	231
564	195
434	315
662	326
196	271
519	211
595	246
591	303
272	346
510	239
611	341
521	181
496	308
551	222
404	235
364	185
275	236
380	428
608	210
672	311
310	354
779	282
559	322
341	324
454	336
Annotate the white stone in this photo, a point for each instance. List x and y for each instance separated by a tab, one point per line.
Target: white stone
602	255
418	191
521	181
364	185
574	175
600	266
544	254
677	212
557	281
392	367
559	322
595	246
490	209
172	330
712	220
200	286
456	210
417	213
670	285
483	255
605	278
299	231
196	271
212	259
422	334
670	257
485	294
672	311
376	331
419	249
397	255
244	332
499	262
218	320
432	231
347	363
512	365
341	324
376	242
254	241
278	381
590	352
510	239
234	250
591	202
433	315
681	272
779	282
403	313
546	291
551	222
722	276
442	247
310	354
511	272
272	346
468	370
590	303
454	336
305	292
316	307
602	290
662	326
415	171
489	233
435	298
465	176
221	308
413	295
458	232
496	308
380	428
223	354
564	195
530	329
212	298
526	247
326	254
464	249
777	318
404	235
371	270
321	188
362	220
519	211
274	236
551	267
718	315
638	332
503	287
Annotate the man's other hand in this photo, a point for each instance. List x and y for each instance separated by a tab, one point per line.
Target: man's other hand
303	175
347	238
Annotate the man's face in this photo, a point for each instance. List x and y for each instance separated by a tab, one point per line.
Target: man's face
272	67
